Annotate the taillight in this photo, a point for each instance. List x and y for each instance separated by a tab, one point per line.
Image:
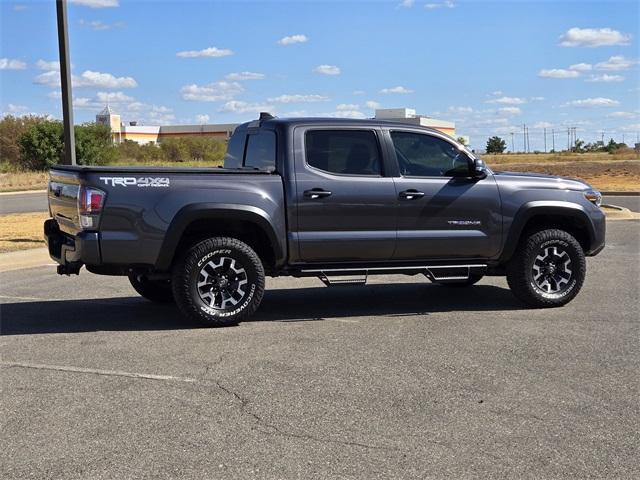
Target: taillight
90	202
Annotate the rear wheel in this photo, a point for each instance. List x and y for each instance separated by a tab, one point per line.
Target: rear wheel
218	282
547	269
158	291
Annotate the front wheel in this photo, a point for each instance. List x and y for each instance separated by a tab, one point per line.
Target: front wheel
218	282
547	269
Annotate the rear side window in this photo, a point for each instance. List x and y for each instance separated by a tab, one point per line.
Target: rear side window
257	150
345	152
261	150
235	149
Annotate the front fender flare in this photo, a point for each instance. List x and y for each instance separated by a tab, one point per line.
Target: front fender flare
543	208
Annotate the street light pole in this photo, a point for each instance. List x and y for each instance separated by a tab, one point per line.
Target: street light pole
65	83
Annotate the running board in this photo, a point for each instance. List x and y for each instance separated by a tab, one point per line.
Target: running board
358	276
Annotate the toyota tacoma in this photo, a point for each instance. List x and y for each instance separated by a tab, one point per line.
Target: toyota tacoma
331	198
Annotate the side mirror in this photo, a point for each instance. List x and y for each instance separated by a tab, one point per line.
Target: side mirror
479	169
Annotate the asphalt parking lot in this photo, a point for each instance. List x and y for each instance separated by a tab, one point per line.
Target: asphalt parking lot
401	379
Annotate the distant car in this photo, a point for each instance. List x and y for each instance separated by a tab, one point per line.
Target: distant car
336	199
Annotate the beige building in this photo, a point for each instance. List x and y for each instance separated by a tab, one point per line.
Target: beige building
147	133
409	116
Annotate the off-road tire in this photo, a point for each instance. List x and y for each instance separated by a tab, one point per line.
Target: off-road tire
231	262
472	280
521	273
158	291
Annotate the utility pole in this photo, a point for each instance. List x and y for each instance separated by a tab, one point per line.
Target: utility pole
545	139
524	138
568	140
528	144
65	83
553	139
512	145
602	137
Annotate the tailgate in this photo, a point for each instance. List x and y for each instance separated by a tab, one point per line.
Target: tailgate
63	199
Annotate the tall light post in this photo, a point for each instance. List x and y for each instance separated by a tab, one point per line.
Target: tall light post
65	83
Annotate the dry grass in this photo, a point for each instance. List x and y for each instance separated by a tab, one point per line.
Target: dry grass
509	158
13	182
606	176
21	231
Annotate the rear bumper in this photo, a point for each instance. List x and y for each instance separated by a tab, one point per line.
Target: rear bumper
71	251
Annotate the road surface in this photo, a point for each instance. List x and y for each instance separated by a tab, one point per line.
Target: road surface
390	380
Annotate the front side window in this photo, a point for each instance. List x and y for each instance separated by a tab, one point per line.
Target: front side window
423	155
261	150
344	152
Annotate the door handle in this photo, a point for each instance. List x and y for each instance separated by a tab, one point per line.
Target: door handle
316	193
410	194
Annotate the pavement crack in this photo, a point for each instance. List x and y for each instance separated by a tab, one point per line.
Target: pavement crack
274	430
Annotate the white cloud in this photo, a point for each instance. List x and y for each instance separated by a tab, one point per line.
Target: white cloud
16	108
622	115
327	70
207	52
496	93
581	67
631	128
558	73
617	62
113	97
510	111
593	102
358	92
298	99
605	78
291	39
508	101
542	125
460	110
407	3
593	37
347	106
373	105
97	25
212	92
244	107
88	78
536	99
244	76
12	64
445	4
54	65
345	114
399	89
202	118
96	3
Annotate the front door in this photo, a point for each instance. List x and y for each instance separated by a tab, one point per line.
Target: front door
442	214
346	207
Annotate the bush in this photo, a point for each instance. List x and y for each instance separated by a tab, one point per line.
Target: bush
11	129
41	145
94	145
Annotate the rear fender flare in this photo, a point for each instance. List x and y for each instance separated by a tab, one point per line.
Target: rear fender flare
215	211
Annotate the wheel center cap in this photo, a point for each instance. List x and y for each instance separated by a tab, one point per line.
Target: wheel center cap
223	282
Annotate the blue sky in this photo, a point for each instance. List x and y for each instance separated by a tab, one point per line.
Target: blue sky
489	66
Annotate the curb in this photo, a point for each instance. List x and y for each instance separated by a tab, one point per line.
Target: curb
622	194
34	257
22	192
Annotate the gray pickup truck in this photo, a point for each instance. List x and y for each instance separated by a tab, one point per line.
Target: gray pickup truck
330	198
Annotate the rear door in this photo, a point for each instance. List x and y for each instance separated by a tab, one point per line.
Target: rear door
441	214
345	205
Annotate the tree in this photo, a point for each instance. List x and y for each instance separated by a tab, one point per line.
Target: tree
462	140
496	145
93	144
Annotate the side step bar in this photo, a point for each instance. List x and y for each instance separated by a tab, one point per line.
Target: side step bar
358	276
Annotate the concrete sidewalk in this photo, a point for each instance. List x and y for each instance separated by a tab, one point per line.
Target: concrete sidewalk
35	257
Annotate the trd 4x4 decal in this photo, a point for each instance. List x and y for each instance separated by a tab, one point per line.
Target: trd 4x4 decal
136	181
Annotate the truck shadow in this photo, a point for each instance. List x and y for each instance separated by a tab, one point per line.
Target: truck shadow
280	305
